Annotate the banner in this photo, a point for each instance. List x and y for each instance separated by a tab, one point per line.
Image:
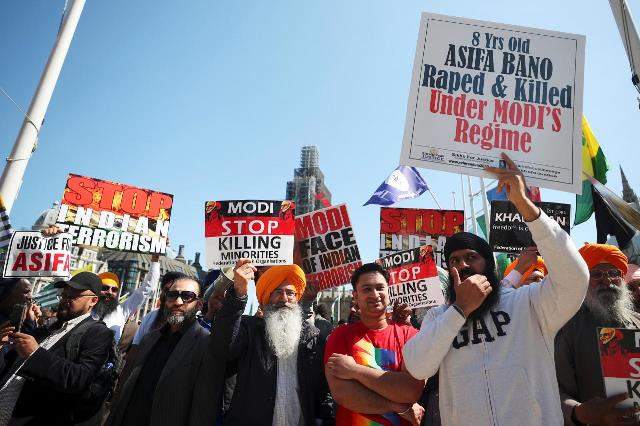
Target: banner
620	362
327	246
480	88
509	232
31	254
254	229
105	214
404	229
413	278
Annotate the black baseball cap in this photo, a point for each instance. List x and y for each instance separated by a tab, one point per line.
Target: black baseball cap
83	281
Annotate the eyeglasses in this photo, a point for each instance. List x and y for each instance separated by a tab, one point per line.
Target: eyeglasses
70	297
612	273
110	289
279	292
186	296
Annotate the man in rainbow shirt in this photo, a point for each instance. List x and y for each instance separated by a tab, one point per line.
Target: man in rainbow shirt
363	360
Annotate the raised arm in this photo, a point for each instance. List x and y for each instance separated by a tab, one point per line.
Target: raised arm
144	290
559	296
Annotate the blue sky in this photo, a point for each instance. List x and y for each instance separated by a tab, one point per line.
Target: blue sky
213	99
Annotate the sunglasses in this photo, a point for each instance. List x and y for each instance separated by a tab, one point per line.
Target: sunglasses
110	289
612	273
186	296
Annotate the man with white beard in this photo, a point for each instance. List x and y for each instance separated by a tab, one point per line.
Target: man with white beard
278	358
608	303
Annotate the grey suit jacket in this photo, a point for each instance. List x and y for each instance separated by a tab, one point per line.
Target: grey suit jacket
173	396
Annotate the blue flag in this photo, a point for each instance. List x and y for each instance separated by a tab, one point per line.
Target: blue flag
405	182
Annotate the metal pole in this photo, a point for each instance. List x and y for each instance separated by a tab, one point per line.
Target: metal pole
464	205
473	209
453	194
485	205
25	143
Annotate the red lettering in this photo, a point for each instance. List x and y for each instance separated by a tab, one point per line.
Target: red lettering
432	222
334	219
109	190
36	262
58	259
78	191
345	215
452	220
319	223
390	221
20	263
158	201
304	228
134	201
411	217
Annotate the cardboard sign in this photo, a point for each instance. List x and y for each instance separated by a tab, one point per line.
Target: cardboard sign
620	362
480	88
413	278
404	229
509	233
33	255
254	229
100	213
327	246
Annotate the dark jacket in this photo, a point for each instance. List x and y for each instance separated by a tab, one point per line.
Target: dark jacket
174	393
55	383
255	391
578	358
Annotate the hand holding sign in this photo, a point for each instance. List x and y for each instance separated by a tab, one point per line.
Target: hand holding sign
603	411
242	274
471	292
512	180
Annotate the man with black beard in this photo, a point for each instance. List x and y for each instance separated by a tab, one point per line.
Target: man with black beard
159	390
608	304
279	358
115	314
493	346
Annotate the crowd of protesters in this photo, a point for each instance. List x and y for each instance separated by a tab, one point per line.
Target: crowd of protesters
521	349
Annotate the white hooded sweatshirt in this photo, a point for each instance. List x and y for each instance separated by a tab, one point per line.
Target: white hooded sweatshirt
500	370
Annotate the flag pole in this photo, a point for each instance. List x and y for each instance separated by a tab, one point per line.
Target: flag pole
27	139
485	205
474	223
434	198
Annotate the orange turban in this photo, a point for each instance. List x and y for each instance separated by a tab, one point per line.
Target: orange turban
604	253
539	265
273	278
109	278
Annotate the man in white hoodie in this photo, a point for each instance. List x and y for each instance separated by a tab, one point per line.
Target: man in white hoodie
493	345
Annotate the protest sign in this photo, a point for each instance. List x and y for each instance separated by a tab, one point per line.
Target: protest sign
620	362
254	229
327	246
413	278
508	231
31	254
480	88
100	213
403	229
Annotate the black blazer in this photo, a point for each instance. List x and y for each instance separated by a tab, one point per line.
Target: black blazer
254	395
53	381
174	393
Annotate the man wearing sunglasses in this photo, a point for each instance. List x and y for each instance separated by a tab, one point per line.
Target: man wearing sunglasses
115	314
160	387
42	381
608	304
279	357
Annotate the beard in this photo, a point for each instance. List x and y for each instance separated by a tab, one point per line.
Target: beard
610	305
491	300
105	305
283	324
179	317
